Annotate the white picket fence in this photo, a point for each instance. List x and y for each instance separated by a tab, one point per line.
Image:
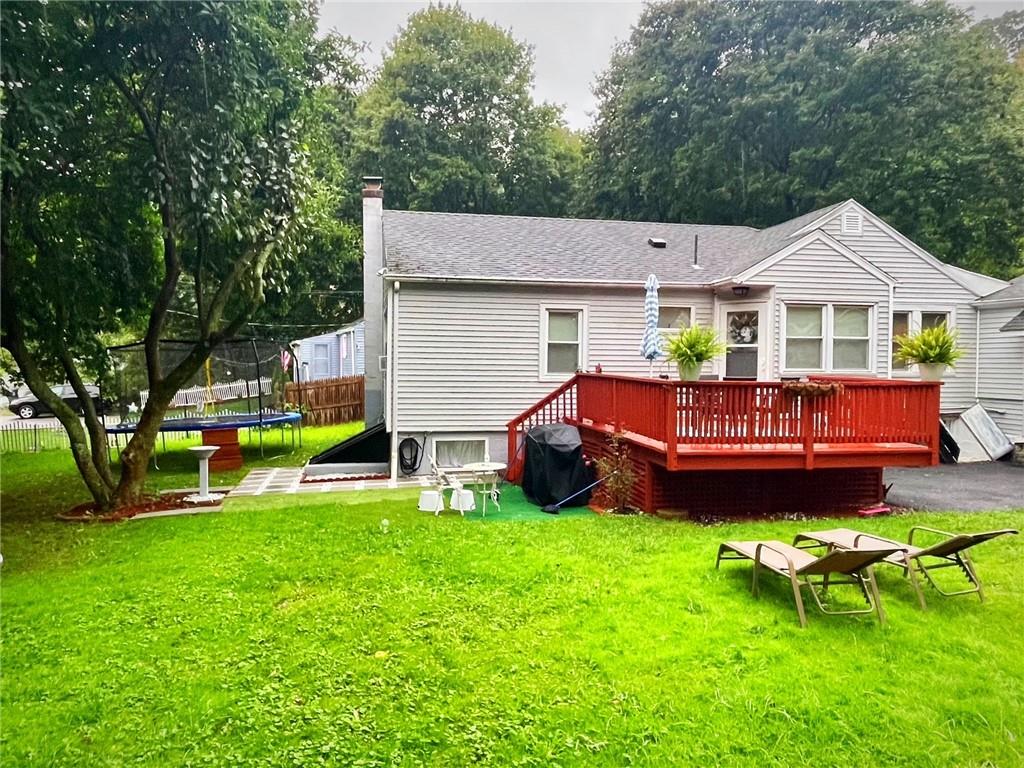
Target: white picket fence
234	390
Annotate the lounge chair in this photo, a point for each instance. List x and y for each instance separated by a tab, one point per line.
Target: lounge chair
799	566
949	552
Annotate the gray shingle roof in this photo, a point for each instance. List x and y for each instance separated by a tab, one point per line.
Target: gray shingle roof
1015	324
1015	290
574	250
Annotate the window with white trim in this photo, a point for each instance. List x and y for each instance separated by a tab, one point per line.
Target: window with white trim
672	319
452	453
910	321
563	341
851	338
805	336
900	327
828	337
321	360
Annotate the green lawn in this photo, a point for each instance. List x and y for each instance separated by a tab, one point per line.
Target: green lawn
295	630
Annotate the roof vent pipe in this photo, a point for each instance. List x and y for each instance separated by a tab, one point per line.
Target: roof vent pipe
696	263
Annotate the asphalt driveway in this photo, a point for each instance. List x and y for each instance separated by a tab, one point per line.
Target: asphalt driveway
958	487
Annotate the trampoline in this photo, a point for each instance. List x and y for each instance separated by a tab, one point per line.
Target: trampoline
222	431
241	385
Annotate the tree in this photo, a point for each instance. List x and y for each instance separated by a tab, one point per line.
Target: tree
450	123
755	112
151	151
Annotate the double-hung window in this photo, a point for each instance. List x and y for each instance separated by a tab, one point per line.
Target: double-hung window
563	348
851	338
321	361
805	337
673	319
828	337
906	322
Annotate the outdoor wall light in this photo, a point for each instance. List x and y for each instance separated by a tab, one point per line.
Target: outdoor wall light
740	290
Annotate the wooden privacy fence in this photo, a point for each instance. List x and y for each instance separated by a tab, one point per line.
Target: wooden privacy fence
328	401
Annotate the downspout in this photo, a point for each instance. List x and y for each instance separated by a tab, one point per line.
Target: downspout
977	353
888	348
392	376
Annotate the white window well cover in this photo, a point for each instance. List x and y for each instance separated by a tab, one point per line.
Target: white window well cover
458	453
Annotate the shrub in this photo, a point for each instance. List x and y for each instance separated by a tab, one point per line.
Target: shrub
617	469
936	345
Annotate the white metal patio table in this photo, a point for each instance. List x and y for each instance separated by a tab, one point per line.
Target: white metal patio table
486	476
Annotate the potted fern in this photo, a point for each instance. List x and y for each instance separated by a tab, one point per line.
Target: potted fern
932	349
692	347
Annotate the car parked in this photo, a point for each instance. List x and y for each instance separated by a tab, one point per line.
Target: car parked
29	406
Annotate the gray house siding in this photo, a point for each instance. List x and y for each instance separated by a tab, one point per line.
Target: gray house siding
468	357
1001	379
921	286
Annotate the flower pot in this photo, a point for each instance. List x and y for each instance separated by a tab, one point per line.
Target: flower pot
931	371
689	371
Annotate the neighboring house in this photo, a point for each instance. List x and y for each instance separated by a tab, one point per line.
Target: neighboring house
332	355
1000	374
471	319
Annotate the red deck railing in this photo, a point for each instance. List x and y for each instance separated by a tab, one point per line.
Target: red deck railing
682	418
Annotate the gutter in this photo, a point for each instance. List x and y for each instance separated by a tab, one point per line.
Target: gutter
395	277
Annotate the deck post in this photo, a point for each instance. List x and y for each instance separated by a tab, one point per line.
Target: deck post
807	429
671	426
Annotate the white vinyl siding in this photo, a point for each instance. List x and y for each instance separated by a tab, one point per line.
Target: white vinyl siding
818	275
468	357
1001	379
922	287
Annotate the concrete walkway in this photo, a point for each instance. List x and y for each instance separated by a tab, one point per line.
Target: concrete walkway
267	482
984	486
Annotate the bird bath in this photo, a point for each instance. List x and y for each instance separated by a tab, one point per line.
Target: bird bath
203	453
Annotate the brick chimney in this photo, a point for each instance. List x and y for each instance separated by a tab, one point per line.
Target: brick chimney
373	296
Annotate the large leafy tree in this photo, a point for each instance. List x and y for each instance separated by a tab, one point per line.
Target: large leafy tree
753	112
450	123
152	153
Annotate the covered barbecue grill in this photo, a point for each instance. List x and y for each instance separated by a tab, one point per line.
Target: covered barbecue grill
555	468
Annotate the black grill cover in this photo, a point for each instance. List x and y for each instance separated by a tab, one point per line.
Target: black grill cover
555	468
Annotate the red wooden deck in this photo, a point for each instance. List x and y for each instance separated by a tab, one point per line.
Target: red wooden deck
678	427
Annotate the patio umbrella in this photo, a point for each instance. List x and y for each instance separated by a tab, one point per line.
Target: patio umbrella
650	347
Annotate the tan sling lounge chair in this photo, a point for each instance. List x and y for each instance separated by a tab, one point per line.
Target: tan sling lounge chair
951	551
799	566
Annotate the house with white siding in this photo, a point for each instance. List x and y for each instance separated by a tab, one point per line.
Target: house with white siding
331	355
477	317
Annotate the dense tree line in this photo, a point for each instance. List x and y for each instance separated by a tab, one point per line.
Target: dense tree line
737	112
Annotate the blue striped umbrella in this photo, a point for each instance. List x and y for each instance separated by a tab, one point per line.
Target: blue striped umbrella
650	347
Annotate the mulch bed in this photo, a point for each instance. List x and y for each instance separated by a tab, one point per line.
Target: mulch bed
88	513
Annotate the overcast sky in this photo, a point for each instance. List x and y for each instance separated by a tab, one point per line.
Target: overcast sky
571	41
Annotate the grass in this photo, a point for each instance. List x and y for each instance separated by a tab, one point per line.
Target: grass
297	630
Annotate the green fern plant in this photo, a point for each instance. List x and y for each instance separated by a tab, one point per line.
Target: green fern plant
936	345
693	345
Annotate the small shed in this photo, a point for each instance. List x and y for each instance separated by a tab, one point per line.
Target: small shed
332	355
